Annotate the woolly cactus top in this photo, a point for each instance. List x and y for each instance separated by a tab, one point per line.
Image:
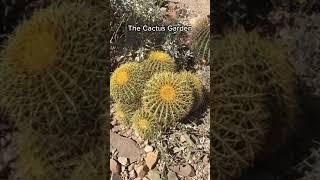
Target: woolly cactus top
35	44
168	93
161	57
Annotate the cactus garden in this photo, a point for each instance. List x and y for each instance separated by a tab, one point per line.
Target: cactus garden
159	89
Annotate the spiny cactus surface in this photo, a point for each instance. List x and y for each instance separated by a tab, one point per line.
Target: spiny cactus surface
124	113
159	61
168	97
201	39
127	83
252	97
145	124
197	86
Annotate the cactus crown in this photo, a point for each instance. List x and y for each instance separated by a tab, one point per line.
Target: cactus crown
34	45
168	93
122	77
160	56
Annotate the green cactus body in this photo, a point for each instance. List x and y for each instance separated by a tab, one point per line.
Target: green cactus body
252	82
124	113
39	158
197	86
145	124
52	77
158	61
53	67
201	39
168	97
127	83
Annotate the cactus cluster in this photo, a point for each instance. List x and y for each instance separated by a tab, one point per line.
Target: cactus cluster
252	97
162	96
52	81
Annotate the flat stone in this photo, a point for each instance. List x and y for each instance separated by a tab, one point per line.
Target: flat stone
148	149
154	175
131	167
152	159
172	176
186	170
132	174
123	161
126	147
114	166
142	170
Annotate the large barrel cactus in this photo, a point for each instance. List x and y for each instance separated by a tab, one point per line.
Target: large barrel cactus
158	61
168	97
52	77
252	98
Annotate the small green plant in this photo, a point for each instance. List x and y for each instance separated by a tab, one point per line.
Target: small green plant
252	98
127	82
159	61
168	97
145	124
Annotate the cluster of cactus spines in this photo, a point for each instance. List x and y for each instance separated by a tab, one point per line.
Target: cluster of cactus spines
197	86
252	81
124	113
201	39
145	123
127	82
52	75
168	96
159	61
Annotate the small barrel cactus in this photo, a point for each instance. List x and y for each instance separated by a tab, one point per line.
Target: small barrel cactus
145	124
168	97
197	86
127	83
158	61
124	113
252	98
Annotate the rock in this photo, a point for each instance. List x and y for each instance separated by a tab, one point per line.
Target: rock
131	167
138	178
125	146
123	161
152	159
186	170
154	175
142	170
172	176
116	177
114	166
116	128
182	139
132	174
145	178
148	149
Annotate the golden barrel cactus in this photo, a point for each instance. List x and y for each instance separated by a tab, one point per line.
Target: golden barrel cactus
127	83
145	124
168	97
252	99
158	61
